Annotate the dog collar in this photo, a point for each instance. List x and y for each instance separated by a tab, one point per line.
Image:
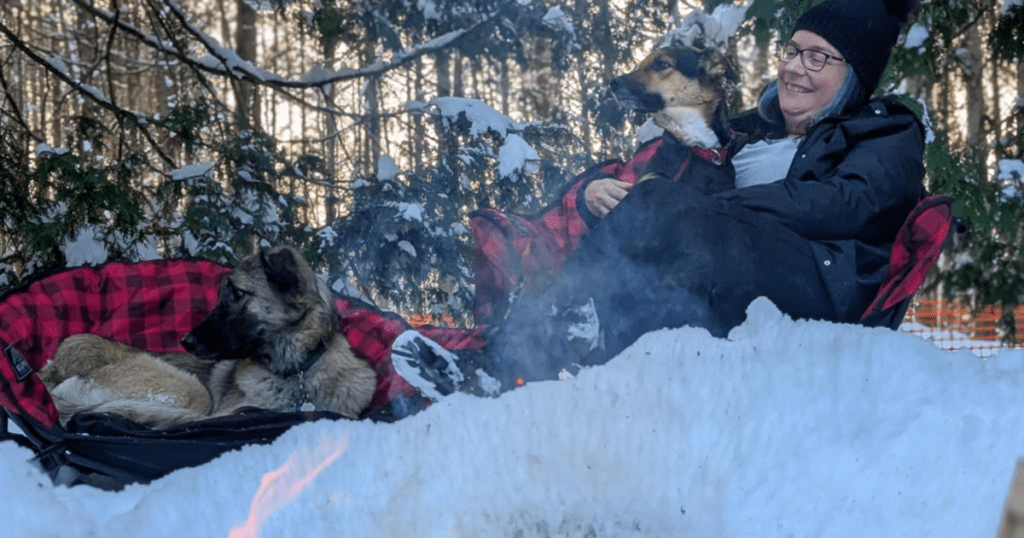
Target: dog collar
308	362
715	155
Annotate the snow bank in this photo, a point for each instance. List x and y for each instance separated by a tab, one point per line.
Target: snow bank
783	429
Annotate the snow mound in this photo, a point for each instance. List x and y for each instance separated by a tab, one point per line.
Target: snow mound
786	428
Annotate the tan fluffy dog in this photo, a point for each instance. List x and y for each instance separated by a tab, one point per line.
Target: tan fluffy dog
271	342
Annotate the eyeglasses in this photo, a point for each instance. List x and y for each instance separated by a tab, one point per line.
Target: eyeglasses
812	60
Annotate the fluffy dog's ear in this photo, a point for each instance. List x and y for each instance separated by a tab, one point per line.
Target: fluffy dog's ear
281	268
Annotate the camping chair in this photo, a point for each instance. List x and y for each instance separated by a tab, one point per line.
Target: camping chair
917	247
152	305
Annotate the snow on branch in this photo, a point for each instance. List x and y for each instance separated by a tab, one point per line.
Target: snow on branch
226	62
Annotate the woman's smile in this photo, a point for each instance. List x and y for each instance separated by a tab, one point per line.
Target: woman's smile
802	92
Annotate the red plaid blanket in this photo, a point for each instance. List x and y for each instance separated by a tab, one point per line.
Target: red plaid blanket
917	247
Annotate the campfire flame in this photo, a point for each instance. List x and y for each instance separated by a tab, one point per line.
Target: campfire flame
280	486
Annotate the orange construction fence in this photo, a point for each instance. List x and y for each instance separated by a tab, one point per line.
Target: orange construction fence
952	325
949	324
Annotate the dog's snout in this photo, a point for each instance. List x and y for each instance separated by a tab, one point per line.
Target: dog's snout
625	88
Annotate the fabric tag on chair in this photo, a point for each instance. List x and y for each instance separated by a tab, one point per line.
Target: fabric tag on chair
18	363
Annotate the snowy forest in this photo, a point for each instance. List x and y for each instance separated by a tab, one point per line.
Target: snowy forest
365	132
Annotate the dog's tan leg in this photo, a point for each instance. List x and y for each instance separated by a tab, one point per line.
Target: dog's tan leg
82	395
92	374
78	355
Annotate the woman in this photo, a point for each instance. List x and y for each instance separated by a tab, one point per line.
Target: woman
823	184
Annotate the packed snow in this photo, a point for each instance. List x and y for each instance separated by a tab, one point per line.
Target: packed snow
481	116
916	37
516	155
785	428
85	248
387	169
716	29
1011	175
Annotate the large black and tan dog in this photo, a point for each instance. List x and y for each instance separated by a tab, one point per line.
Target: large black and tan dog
271	342
687	91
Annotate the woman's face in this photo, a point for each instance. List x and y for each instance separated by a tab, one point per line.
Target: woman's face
802	92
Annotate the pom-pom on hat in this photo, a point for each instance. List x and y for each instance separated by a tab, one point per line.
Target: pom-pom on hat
863	31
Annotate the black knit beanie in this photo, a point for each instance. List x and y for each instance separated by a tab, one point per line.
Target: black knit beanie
863	31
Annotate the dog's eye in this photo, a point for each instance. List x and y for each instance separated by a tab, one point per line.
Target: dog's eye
236	293
660	65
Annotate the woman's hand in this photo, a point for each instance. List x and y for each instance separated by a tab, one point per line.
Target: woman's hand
602	195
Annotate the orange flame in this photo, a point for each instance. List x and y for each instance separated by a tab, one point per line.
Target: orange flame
280	486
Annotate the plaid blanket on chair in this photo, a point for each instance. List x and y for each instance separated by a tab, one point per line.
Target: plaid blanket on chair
152	305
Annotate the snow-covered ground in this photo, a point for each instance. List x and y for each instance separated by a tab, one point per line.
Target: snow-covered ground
783	429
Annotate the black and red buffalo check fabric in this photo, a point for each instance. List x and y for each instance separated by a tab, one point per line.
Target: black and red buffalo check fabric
917	247
152	305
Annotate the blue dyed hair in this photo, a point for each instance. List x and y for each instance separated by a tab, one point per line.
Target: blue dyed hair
850	95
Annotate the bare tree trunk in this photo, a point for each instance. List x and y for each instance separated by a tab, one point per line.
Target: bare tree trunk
247	104
587	134
418	147
996	117
371	96
444	89
331	135
504	87
997	110
1019	107
940	96
673	9
85	67
225	25
458	72
973	70
444	76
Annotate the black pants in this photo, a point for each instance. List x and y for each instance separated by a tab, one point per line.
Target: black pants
666	256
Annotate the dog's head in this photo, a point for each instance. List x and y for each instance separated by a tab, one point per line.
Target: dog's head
679	77
271	307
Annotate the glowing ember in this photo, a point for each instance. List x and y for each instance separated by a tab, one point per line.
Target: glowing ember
280	486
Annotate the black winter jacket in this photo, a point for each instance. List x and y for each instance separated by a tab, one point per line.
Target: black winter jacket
853	181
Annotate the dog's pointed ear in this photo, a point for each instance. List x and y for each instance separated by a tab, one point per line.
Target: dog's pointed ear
716	66
719	73
281	268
